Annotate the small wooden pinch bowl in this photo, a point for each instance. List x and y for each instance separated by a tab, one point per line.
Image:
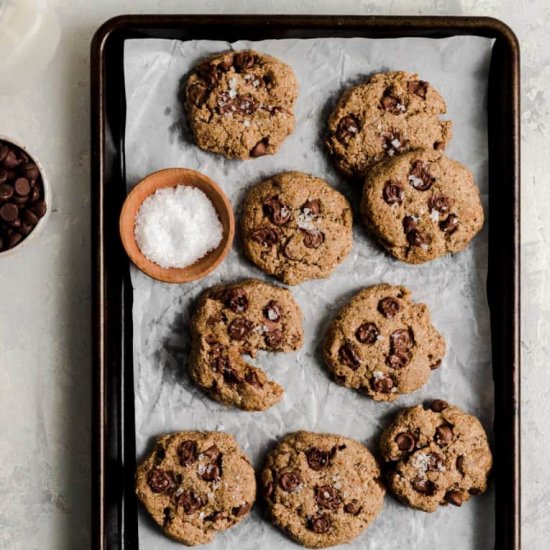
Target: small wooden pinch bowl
172	177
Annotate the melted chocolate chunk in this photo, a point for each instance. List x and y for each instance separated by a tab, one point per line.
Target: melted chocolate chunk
367	333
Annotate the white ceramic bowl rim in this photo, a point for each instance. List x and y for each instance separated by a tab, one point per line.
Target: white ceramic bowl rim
47	199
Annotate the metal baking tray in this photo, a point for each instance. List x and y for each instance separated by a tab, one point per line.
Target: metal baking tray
114	504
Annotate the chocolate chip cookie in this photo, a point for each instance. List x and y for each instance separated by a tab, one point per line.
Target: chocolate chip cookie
436	455
296	227
238	319
322	489
383	344
422	205
195	484
388	115
240	104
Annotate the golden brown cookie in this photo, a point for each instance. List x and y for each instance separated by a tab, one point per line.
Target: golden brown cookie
383	344
296	227
240	104
236	319
436	455
422	205
389	114
322	489
195	484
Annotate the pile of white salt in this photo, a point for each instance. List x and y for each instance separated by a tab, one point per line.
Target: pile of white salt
176	226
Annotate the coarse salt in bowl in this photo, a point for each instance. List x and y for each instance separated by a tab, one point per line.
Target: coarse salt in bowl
176	225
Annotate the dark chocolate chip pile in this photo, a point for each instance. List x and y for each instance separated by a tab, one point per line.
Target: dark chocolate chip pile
21	195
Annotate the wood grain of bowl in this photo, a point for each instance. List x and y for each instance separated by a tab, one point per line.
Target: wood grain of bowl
172	177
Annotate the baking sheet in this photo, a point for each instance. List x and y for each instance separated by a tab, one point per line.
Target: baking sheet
453	287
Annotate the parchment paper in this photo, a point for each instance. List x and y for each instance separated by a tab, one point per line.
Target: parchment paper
453	287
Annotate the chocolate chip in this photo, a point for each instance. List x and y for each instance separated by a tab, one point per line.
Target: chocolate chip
244	60
159	481
417	238
409	224
30	218
289	481
236	300
326	496
317	459
401	340
242	510
443	434
434	462
187	452
9	212
260	149
382	384
39	209
399	359
420	177
435	365
319	524
347	127
11	161
168	514
349	357
454	497
197	94
353	507
251	377
424	486
35	194
220	364
405	442
449	224
393	143
3	175
274	338
226	63
438	405
14	239
240	328
439	203
393	192
439	146
460	464
418	87
207	71
239	105
266	236
272	311
210	472
6	192
313	239
392	104
278	212
214	516
268	489
475	491
30	171
313	207
389	307
22	187
213	453
189	501
367	333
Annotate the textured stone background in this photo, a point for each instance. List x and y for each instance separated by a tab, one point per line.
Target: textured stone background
45	338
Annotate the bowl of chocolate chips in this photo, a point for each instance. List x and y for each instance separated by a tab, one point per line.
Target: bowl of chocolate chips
24	195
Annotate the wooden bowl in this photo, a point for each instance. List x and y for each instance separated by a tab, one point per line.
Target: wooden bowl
171	177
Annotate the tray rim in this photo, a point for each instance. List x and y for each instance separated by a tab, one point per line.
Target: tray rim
409	25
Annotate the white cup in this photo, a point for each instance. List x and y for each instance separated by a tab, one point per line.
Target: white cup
29	36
